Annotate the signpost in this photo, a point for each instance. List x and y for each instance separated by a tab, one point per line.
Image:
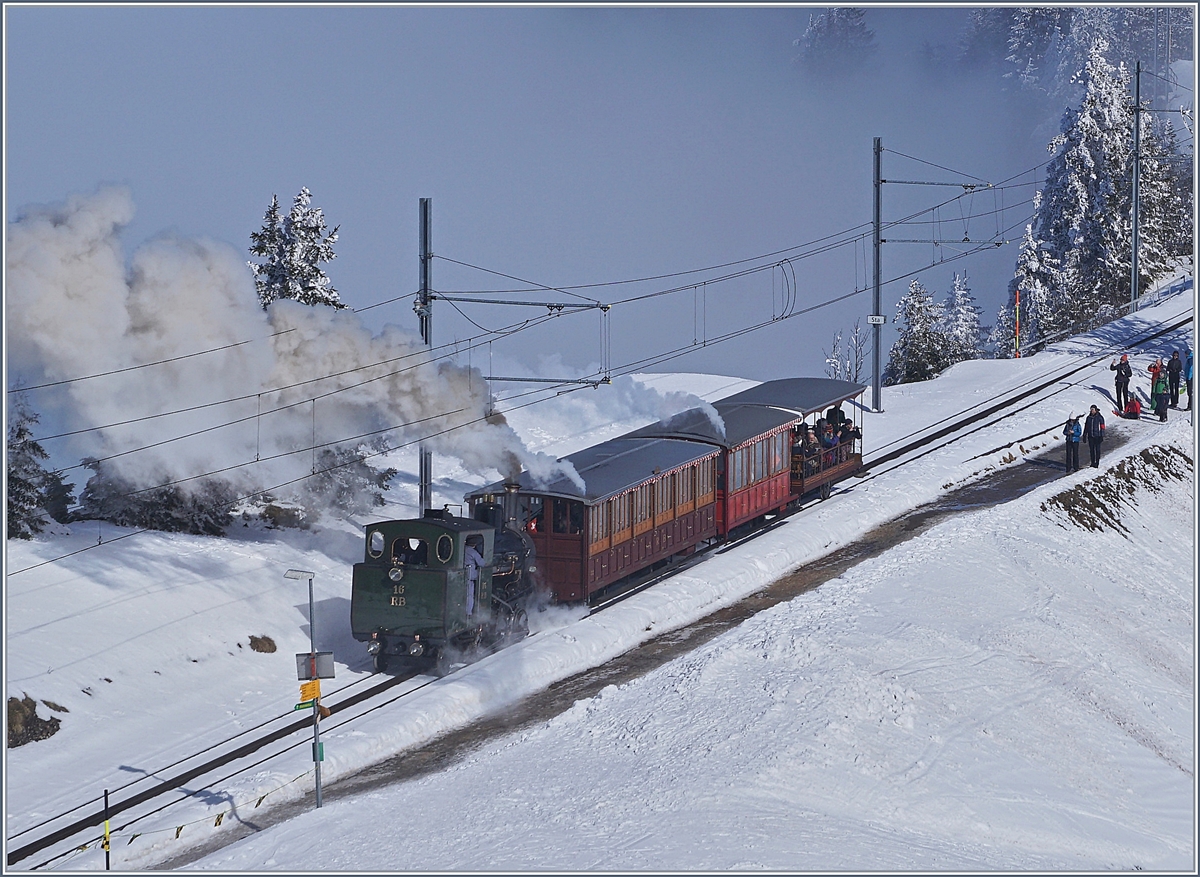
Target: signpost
311	668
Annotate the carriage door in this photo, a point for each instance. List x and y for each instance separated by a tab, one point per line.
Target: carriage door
564	558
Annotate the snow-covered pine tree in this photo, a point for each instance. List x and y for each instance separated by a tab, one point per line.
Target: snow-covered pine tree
346	483
984	44
1003	335
293	248
921	351
1034	34
1038	279
26	514
836	43
961	325
270	279
1083	217
34	494
1165	217
1048	46
201	508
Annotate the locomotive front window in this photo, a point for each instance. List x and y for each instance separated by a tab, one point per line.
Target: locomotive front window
410	551
375	543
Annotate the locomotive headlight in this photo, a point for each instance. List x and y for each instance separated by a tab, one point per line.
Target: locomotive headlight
374	647
416	649
396	573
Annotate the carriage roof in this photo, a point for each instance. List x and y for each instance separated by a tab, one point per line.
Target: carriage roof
741	423
802	395
611	467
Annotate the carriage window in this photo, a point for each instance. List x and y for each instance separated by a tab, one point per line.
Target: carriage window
641	503
532	513
596	523
664	494
620	512
706	476
568	517
411	551
686	484
375	543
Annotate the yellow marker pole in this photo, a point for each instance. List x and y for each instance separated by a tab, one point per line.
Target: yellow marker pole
106	853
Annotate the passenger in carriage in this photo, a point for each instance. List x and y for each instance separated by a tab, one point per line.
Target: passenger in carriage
829	441
836	416
810	448
847	436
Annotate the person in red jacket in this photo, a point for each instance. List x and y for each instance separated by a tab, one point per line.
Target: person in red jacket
1133	409
1156	370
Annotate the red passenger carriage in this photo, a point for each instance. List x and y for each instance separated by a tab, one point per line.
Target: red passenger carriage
674	485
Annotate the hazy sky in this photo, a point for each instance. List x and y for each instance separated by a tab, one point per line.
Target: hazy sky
562	146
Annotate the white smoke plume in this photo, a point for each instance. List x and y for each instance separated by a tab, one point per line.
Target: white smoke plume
307	376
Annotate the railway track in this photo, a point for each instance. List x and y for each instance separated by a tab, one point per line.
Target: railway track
899	453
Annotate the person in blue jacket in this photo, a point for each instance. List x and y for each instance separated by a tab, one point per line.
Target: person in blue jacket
1072	432
1187	376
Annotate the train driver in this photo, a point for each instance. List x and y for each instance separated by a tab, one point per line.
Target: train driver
473	561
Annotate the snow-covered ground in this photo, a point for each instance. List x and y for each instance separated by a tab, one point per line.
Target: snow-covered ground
1013	689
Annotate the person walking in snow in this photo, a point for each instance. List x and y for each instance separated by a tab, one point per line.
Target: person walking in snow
1187	376
1124	372
1160	406
1072	432
1174	369
1093	431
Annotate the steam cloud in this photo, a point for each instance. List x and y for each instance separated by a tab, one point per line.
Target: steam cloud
310	375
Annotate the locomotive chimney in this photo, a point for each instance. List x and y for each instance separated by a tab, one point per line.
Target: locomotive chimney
510	504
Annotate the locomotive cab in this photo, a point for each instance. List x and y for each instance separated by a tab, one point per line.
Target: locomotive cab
422	597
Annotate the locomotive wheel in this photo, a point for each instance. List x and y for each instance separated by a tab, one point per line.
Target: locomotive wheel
826	490
380	662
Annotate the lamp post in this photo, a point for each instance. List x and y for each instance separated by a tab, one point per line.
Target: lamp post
312	656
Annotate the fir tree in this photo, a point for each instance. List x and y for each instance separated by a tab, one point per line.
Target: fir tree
921	352
984	44
961	322
1037	279
292	248
837	43
1003	335
26	475
346	483
201	508
1083	220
